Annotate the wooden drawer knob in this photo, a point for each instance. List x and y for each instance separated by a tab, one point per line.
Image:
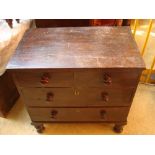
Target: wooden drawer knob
105	96
107	79
45	78
54	113
49	96
102	114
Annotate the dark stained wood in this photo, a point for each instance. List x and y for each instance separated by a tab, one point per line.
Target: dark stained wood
44	23
96	78
118	128
78	78
79	114
126	22
85	97
8	94
77	47
33	78
82	74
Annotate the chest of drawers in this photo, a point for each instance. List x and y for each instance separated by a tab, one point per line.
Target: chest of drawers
82	74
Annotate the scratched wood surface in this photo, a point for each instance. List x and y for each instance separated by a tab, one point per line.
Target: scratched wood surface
77	47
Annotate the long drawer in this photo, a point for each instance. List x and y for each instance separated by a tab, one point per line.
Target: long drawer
79	114
112	78
76	97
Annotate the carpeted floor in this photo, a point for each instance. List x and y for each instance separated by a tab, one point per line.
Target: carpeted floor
141	119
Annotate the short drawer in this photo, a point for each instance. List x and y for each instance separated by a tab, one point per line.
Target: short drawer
112	78
78	114
44	78
79	97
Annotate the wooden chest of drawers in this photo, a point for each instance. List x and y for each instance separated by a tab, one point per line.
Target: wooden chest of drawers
82	74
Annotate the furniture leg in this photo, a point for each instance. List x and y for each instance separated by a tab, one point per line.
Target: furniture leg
39	126
118	128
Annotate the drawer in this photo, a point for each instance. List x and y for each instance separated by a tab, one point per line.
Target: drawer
112	78
79	97
44	78
79	114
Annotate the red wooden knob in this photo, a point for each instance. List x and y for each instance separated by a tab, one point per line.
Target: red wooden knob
107	79
45	78
54	113
102	114
49	96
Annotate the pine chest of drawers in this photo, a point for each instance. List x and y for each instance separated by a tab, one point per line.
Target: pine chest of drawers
82	74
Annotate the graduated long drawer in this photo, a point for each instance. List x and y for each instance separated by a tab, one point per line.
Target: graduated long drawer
76	97
78	114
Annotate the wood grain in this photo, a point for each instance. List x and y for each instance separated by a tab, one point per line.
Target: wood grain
79	114
86	97
77	78
8	93
80	74
77	47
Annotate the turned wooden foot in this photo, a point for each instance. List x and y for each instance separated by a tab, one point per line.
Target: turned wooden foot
39	126
118	128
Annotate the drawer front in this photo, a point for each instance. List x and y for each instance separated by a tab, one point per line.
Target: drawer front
111	78
44	78
79	97
106	78
78	114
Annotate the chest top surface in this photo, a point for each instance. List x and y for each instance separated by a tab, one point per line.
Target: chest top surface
77	47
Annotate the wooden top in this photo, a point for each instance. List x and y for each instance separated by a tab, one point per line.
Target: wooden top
77	47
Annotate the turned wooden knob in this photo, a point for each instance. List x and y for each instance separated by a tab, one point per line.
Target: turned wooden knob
102	114
49	96
54	113
105	96
107	79
45	78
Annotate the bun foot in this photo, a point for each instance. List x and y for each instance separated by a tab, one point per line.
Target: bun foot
118	128
39	127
